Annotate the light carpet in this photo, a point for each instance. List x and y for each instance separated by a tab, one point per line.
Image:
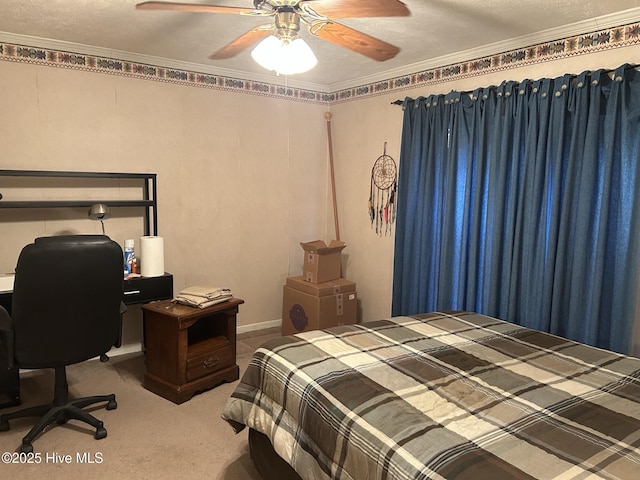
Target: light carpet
148	437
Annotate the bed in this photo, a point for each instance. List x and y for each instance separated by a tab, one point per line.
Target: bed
451	395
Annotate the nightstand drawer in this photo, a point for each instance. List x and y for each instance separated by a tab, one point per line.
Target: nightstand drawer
208	356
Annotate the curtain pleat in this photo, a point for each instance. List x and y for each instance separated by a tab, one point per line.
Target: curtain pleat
521	201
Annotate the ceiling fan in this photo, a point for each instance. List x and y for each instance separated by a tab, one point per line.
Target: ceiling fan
287	15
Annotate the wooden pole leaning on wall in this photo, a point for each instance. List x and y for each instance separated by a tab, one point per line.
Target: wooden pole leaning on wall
327	116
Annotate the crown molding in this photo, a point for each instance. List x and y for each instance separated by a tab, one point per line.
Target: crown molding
79	48
598	23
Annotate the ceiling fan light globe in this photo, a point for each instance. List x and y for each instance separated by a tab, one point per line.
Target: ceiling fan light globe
284	57
267	52
297	57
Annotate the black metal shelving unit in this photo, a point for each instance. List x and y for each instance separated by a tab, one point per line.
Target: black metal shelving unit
148	202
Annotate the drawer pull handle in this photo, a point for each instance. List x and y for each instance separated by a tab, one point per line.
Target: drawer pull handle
210	362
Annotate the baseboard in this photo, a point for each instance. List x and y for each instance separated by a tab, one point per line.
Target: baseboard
125	349
252	327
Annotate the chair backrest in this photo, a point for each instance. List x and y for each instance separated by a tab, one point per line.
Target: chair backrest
66	300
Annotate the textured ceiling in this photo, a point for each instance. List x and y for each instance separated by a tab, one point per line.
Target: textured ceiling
435	31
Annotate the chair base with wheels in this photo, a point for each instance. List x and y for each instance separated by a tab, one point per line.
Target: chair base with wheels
59	411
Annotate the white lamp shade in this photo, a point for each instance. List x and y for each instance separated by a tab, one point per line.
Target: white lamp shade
285	58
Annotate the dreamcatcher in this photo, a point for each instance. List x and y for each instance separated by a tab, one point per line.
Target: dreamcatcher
382	193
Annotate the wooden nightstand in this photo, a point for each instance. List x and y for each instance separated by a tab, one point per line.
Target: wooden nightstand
189	349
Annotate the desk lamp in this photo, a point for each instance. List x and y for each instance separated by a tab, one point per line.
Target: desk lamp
99	211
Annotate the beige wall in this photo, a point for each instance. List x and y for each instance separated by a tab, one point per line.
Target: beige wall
242	179
359	131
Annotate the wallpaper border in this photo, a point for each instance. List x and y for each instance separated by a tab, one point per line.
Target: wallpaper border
595	41
590	42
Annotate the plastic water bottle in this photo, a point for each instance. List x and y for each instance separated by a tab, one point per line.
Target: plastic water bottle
129	256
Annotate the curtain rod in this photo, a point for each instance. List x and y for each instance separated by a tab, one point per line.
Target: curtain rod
604	70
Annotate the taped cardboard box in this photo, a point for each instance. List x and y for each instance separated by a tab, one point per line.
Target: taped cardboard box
315	306
322	262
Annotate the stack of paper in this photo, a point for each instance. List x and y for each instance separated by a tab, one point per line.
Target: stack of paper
203	296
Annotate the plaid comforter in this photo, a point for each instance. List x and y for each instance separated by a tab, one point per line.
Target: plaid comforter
442	395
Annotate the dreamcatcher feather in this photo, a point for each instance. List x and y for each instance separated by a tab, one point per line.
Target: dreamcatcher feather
382	193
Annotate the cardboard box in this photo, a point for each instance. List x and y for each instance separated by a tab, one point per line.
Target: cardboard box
315	306
322	263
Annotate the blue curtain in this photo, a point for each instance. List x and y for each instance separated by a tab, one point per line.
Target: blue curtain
521	201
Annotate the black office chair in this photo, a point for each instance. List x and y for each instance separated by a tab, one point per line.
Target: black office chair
66	308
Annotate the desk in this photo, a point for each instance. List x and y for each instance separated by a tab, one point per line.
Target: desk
147	289
135	290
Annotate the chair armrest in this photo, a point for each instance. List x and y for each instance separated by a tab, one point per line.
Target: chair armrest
6	335
123	309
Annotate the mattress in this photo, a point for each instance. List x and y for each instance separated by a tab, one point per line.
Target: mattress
454	395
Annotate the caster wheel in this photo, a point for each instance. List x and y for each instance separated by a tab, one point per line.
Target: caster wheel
100	433
112	405
26	448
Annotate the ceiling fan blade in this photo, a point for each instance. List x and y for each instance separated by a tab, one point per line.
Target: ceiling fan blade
359	42
243	41
193	7
357	8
